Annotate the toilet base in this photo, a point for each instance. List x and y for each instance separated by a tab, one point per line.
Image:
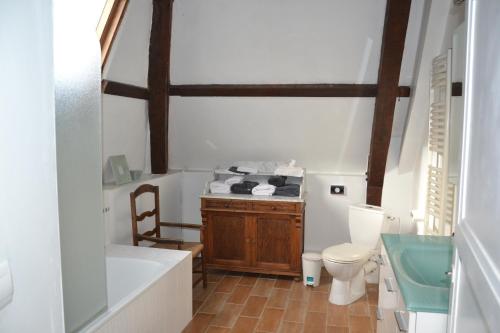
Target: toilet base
346	292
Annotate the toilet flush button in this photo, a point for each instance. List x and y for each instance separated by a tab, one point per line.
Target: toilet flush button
6	289
337	189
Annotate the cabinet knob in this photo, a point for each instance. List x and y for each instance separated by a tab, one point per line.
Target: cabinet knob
226	205
273	208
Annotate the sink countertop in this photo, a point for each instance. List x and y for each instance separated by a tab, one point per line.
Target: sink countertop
418	262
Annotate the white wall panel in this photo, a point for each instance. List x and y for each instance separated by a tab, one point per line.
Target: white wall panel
322	134
125	125
276	41
29	227
477	231
128	60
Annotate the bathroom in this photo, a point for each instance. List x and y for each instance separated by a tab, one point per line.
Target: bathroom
246	81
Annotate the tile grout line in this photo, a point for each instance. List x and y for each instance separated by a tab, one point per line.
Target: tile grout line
282	321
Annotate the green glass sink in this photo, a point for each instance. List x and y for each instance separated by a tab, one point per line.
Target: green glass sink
420	264
427	266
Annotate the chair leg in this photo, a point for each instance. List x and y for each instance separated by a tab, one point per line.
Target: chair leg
204	270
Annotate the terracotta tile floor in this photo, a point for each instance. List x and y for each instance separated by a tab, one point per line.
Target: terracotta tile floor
242	303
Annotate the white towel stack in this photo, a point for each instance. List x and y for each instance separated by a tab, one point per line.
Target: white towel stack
263	189
234	180
218	187
289	170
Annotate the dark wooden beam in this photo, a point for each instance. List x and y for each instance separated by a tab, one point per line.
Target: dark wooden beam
456	89
256	90
124	90
280	90
397	13
158	81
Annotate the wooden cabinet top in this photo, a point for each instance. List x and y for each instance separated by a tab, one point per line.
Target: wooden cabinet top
211	203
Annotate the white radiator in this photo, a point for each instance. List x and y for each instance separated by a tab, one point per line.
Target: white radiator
440	194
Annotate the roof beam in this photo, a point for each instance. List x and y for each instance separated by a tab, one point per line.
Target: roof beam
280	90
124	90
397	13
258	90
158	81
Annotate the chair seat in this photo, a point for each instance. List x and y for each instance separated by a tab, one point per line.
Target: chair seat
194	247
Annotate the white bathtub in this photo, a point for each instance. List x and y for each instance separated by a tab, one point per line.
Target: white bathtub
149	290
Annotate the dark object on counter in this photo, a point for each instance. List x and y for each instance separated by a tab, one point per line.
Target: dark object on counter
243	188
277	180
235	170
290	190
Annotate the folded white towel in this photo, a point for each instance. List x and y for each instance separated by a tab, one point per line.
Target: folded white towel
290	171
250	170
263	189
234	180
218	187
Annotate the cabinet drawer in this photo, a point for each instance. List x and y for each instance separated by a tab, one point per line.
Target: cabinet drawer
226	204
286	207
386	321
388	289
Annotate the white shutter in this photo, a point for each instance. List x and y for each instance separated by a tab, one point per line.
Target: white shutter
440	194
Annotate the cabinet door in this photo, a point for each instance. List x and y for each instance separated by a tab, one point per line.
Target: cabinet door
274	242
227	239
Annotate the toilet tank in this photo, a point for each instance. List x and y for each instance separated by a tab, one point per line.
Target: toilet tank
365	224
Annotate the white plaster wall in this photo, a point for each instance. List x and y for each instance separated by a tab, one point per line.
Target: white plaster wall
128	60
322	134
29	227
125	122
276	41
397	195
326	221
125	128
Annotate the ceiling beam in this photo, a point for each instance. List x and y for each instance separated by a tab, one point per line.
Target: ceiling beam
257	90
158	80
397	13
279	90
124	90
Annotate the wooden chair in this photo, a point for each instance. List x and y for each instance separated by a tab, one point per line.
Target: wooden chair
154	235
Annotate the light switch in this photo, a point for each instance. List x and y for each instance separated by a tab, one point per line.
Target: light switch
6	288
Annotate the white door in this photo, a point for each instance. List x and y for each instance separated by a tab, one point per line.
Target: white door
476	287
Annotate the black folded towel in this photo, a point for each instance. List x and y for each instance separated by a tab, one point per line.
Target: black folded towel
243	188
289	190
277	180
235	170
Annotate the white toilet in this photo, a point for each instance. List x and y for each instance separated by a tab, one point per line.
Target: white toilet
348	262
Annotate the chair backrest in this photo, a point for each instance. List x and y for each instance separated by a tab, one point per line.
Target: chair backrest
136	218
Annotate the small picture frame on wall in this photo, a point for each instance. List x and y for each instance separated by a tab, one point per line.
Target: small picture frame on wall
120	170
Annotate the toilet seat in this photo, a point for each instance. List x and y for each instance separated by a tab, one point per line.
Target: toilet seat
346	253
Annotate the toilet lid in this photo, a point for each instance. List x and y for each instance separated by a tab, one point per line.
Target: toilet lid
345	253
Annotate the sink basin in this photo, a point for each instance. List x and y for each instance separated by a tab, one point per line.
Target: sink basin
420	264
428	265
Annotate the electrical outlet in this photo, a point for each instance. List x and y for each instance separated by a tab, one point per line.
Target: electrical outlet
337	189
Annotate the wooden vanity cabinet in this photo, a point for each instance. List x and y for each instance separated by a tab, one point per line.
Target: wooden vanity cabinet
253	235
